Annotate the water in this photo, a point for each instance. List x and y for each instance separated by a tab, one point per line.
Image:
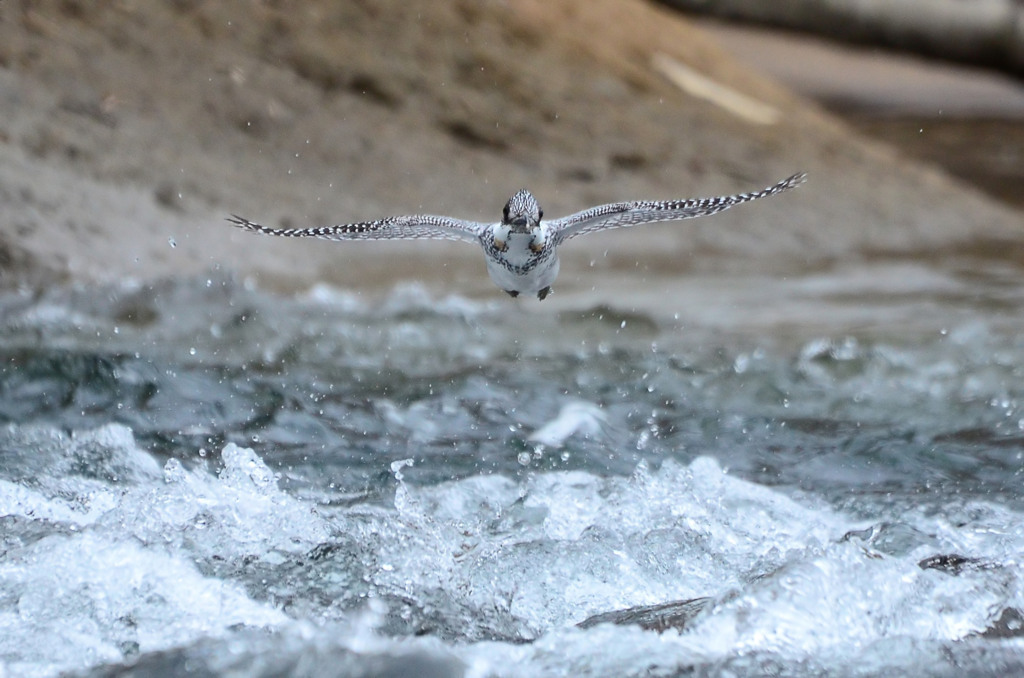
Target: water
201	477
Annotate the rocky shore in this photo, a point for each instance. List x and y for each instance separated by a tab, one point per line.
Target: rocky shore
129	131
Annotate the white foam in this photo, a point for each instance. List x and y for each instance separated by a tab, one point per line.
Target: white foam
575	417
98	567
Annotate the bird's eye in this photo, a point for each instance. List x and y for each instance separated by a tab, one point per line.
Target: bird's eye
505	212
540	214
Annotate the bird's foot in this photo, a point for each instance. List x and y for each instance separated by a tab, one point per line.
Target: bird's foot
544	293
512	293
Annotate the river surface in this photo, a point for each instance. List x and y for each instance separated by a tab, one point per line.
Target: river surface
198	477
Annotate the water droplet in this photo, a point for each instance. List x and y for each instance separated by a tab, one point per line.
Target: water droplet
524	458
397	466
741	363
172	242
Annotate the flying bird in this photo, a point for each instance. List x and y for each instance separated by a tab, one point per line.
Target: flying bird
521	250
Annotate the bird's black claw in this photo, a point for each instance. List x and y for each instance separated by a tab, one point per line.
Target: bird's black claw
512	293
544	293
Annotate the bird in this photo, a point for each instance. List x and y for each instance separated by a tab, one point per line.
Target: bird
521	250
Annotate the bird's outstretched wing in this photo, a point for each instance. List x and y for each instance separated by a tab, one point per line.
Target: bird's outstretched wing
390	228
621	214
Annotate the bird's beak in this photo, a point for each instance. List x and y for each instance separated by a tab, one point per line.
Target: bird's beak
520	225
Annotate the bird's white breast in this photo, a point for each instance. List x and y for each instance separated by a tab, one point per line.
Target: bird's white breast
511	269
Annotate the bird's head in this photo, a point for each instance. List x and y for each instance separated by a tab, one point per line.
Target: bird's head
522	213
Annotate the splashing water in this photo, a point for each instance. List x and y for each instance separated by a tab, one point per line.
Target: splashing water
200	475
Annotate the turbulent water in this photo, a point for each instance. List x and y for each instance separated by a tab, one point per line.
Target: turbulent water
201	478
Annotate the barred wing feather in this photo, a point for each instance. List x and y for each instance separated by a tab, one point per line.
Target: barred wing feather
390	228
623	214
